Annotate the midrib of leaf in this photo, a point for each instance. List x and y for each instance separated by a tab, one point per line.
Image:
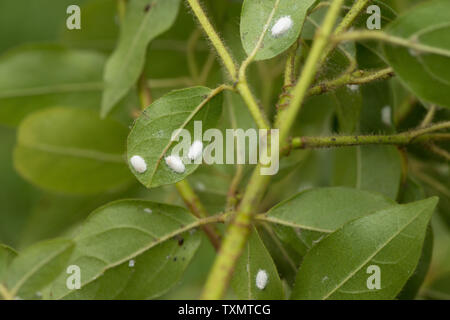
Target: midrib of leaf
185	123
280	247
265	28
249	284
134	42
292	224
28	275
58	88
76	152
142	250
153	276
373	255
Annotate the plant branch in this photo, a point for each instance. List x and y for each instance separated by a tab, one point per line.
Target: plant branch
351	16
287	116
401	139
428	117
382	36
214	38
5	293
357	77
239	229
196	207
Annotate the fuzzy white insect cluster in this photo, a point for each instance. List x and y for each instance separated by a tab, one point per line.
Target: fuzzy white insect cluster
261	279
131	263
353	87
282	25
195	150
175	163
148	210
138	164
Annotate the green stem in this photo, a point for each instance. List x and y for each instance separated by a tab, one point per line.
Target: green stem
287	116
382	36
196	207
428	117
351	15
214	38
401	139
357	77
238	231
5	293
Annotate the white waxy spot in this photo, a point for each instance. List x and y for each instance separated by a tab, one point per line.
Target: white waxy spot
200	186
195	150
386	115
324	279
131	263
281	26
353	87
175	163
148	210
413	52
261	279
138	164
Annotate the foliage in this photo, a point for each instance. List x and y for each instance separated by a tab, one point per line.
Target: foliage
359	207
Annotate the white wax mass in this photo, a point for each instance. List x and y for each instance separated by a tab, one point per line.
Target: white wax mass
261	279
131	263
195	150
175	163
148	210
281	26
138	164
353	87
386	115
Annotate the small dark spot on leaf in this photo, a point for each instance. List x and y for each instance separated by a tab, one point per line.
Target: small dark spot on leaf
333	139
180	241
148	7
175	259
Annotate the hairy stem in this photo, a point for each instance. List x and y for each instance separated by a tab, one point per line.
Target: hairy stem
238	231
382	36
401	139
357	77
214	38
287	116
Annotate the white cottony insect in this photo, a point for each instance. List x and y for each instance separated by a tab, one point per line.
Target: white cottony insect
148	210
261	279
131	263
386	115
175	163
138	164
353	87
281	26
195	150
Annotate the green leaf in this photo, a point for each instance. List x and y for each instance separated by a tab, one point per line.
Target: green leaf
72	151
425	74
256	259
7	254
412	286
144	20
36	77
37	266
371	168
258	17
391	239
326	209
151	136
146	232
